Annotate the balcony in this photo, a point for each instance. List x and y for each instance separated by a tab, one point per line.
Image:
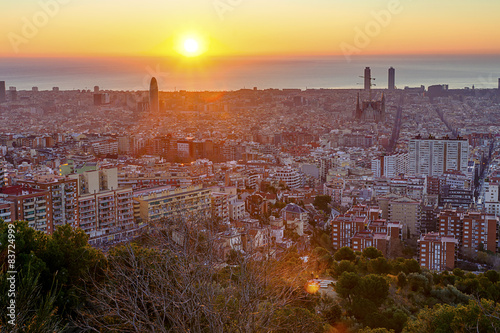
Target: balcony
107	200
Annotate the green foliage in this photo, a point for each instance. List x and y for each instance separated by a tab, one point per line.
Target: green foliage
445	278
372	253
345	253
63	259
458	272
450	295
365	294
402	281
347	285
388	320
333	314
322	202
412	266
343	266
418	282
375	330
35	311
443	318
379	266
363	308
493	276
374	288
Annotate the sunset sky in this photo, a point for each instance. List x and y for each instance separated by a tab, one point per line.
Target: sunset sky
247	27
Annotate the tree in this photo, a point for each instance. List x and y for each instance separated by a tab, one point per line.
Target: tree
36	310
71	260
372	253
379	266
170	284
412	266
374	288
322	202
333	314
348	285
493	276
56	267
345	253
343	266
476	316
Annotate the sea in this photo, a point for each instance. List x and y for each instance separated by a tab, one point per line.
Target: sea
233	73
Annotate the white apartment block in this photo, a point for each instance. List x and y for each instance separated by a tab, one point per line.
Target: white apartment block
491	198
433	156
390	166
291	177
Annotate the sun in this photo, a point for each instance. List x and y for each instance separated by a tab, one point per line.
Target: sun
191	46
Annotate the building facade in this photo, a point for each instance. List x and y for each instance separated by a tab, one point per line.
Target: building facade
437	253
160	203
433	157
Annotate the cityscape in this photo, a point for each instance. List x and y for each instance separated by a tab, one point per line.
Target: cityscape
294	208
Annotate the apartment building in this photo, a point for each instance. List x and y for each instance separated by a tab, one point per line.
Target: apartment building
31	205
362	227
7	210
436	252
165	202
105	211
63	197
434	156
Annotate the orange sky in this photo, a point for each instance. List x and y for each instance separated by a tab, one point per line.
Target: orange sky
248	27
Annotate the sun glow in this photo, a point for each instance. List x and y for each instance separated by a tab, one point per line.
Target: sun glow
191	46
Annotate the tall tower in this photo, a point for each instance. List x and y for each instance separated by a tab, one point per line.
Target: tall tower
498	84
368	78
2	91
392	79
13	94
154	103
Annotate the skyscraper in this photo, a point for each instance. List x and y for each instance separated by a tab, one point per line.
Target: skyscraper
392	78
154	103
368	78
2	91
13	94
